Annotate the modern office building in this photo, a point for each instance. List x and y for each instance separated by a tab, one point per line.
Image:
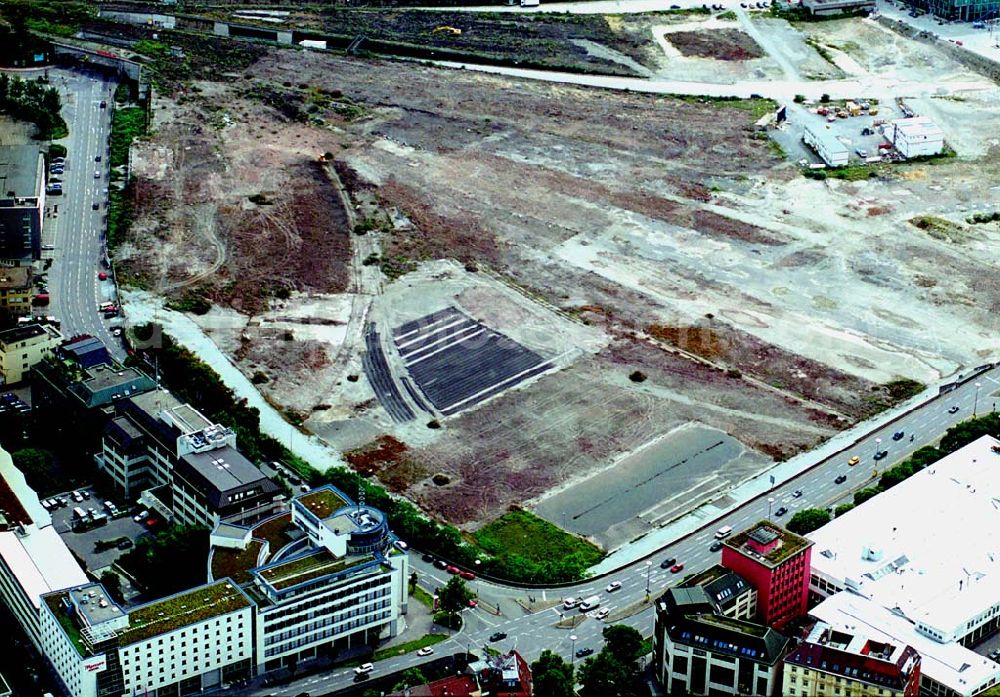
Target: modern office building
960	10
23	347
776	563
326	577
22	200
915	137
698	650
33	558
183	644
925	551
833	661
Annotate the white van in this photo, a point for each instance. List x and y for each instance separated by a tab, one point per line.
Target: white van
723	532
570	603
590	603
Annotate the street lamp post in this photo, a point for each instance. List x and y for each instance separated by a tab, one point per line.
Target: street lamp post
975	404
770	502
649	568
572	651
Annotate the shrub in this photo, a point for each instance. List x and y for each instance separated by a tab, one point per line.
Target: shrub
637	376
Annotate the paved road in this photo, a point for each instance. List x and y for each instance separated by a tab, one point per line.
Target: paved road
77	233
532	632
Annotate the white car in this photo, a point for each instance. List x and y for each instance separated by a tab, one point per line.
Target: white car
426	651
602	613
77	496
613	586
364	668
139	517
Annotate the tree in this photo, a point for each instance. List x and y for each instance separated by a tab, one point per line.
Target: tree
411	677
162	564
36	466
552	676
808	519
113	584
413	581
455	595
604	675
842	509
623	642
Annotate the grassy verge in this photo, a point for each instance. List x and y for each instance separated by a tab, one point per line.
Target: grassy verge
126	125
410	646
423	597
530	547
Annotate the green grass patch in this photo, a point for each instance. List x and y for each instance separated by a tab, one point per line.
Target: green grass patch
940	228
126	125
531	546
728	15
423	597
410	646
757	106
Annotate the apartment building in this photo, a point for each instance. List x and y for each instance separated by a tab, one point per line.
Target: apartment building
698	650
23	347
16	290
730	593
22	200
183	644
830	662
777	564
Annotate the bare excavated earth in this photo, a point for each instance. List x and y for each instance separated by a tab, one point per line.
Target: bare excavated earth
644	233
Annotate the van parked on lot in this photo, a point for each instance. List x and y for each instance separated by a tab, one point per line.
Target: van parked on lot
725	531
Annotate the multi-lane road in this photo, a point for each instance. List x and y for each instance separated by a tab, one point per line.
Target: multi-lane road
74	237
531	632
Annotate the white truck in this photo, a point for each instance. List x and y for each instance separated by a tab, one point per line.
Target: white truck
591	603
530	3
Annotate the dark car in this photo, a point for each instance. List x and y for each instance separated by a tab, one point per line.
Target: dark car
498	636
440	564
840	479
953	410
780	512
716	546
360	677
667	563
125	544
880	454
427	559
96	206
580	653
898	435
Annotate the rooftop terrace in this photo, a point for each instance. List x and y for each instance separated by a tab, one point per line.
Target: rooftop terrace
312	566
323	502
55	601
183	609
790	542
235	563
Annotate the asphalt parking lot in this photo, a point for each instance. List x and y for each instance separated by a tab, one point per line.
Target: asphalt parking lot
83	543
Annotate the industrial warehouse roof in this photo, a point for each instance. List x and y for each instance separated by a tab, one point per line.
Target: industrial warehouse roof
40	561
919	127
931	539
19	171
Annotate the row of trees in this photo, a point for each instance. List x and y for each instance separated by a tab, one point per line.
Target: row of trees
29	100
958	436
613	671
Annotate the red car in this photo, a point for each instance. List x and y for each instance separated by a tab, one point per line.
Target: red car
467	575
451	569
102	276
152	521
677	568
473	602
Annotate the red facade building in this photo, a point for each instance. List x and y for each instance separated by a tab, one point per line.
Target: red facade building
775	562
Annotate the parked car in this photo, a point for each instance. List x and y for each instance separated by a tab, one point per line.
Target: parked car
104	104
125	544
440	564
780	512
77	496
427	558
451	569
613	586
102	276
580	653
141	516
473	603
96	205
667	563
97	159
841	478
97	175
498	636
898	435
426	651
467	575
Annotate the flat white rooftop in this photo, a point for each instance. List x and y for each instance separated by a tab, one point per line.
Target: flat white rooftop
919	127
40	561
936	548
951	664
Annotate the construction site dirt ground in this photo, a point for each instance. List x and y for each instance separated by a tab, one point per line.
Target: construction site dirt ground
643	236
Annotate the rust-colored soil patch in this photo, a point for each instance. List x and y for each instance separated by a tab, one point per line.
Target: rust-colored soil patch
721	44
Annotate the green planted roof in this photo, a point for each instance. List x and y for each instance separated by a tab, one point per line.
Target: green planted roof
198	605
